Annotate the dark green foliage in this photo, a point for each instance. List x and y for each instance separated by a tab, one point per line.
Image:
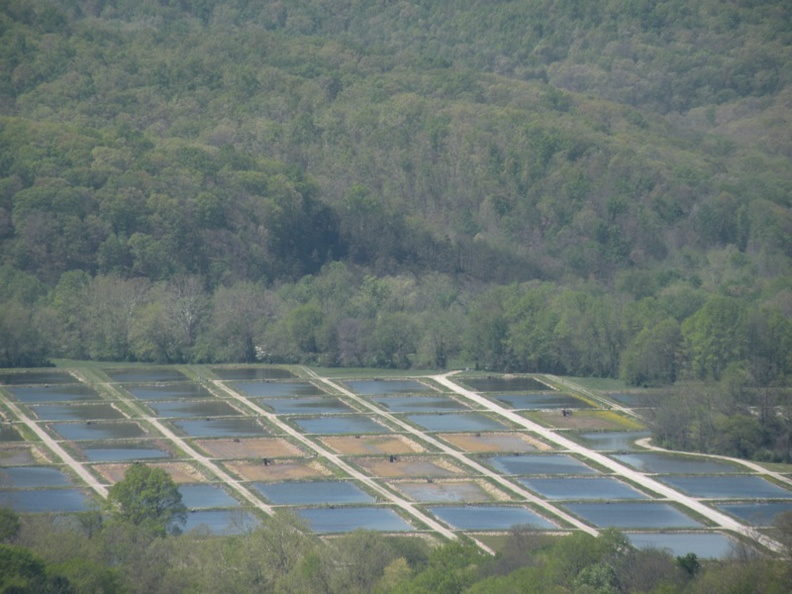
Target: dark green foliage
147	497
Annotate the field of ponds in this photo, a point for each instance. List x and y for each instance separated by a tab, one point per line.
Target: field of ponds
360	453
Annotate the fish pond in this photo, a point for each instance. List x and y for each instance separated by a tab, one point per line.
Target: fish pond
194	408
381	387
539	464
145	375
98	430
456	422
329	520
26	477
549	401
169	391
45	500
81	412
638	515
728	487
672	464
609	441
401	404
54	393
313	493
705	545
36	377
338	424
206	496
220	521
251	373
225	427
757	513
505	384
489	517
124	452
582	488
277	389
291	406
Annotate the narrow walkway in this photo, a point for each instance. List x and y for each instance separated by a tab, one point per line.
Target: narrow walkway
719	519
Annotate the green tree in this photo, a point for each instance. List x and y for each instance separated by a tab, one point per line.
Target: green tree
147	496
9	524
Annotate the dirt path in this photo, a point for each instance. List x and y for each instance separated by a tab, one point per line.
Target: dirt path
719	519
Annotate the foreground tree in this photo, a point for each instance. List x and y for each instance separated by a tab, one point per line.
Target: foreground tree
148	497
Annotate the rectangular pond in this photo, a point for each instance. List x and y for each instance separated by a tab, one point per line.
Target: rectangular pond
758	513
27	477
54	393
98	430
377	387
456	422
76	412
251	373
8	433
539	464
206	496
489	517
582	488
727	487
313	493
551	401
329	520
45	500
224	427
638	515
462	491
705	545
671	464
272	389
292	406
637	399
337	424
37	377
610	441
193	408
169	391
505	384
220	521
145	375
400	404
123	452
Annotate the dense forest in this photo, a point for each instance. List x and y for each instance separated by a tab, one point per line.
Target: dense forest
566	186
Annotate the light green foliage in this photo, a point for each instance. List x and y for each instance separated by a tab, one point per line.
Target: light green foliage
147	497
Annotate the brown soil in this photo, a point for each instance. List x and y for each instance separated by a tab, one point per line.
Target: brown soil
495	442
180	472
278	470
260	447
372	444
413	466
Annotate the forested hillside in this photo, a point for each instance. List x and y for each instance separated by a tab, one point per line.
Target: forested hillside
578	187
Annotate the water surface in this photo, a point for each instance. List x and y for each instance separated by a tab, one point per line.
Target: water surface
37	377
220	521
267	389
123	453
169	391
76	412
582	488
540	464
340	424
195	408
756	513
457	422
144	375
552	400
505	384
251	373
632	515
326	520
705	545
489	517
65	393
45	500
374	387
669	463
26	477
99	430
227	427
613	440
399	404
727	487
291	406
313	493
206	496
